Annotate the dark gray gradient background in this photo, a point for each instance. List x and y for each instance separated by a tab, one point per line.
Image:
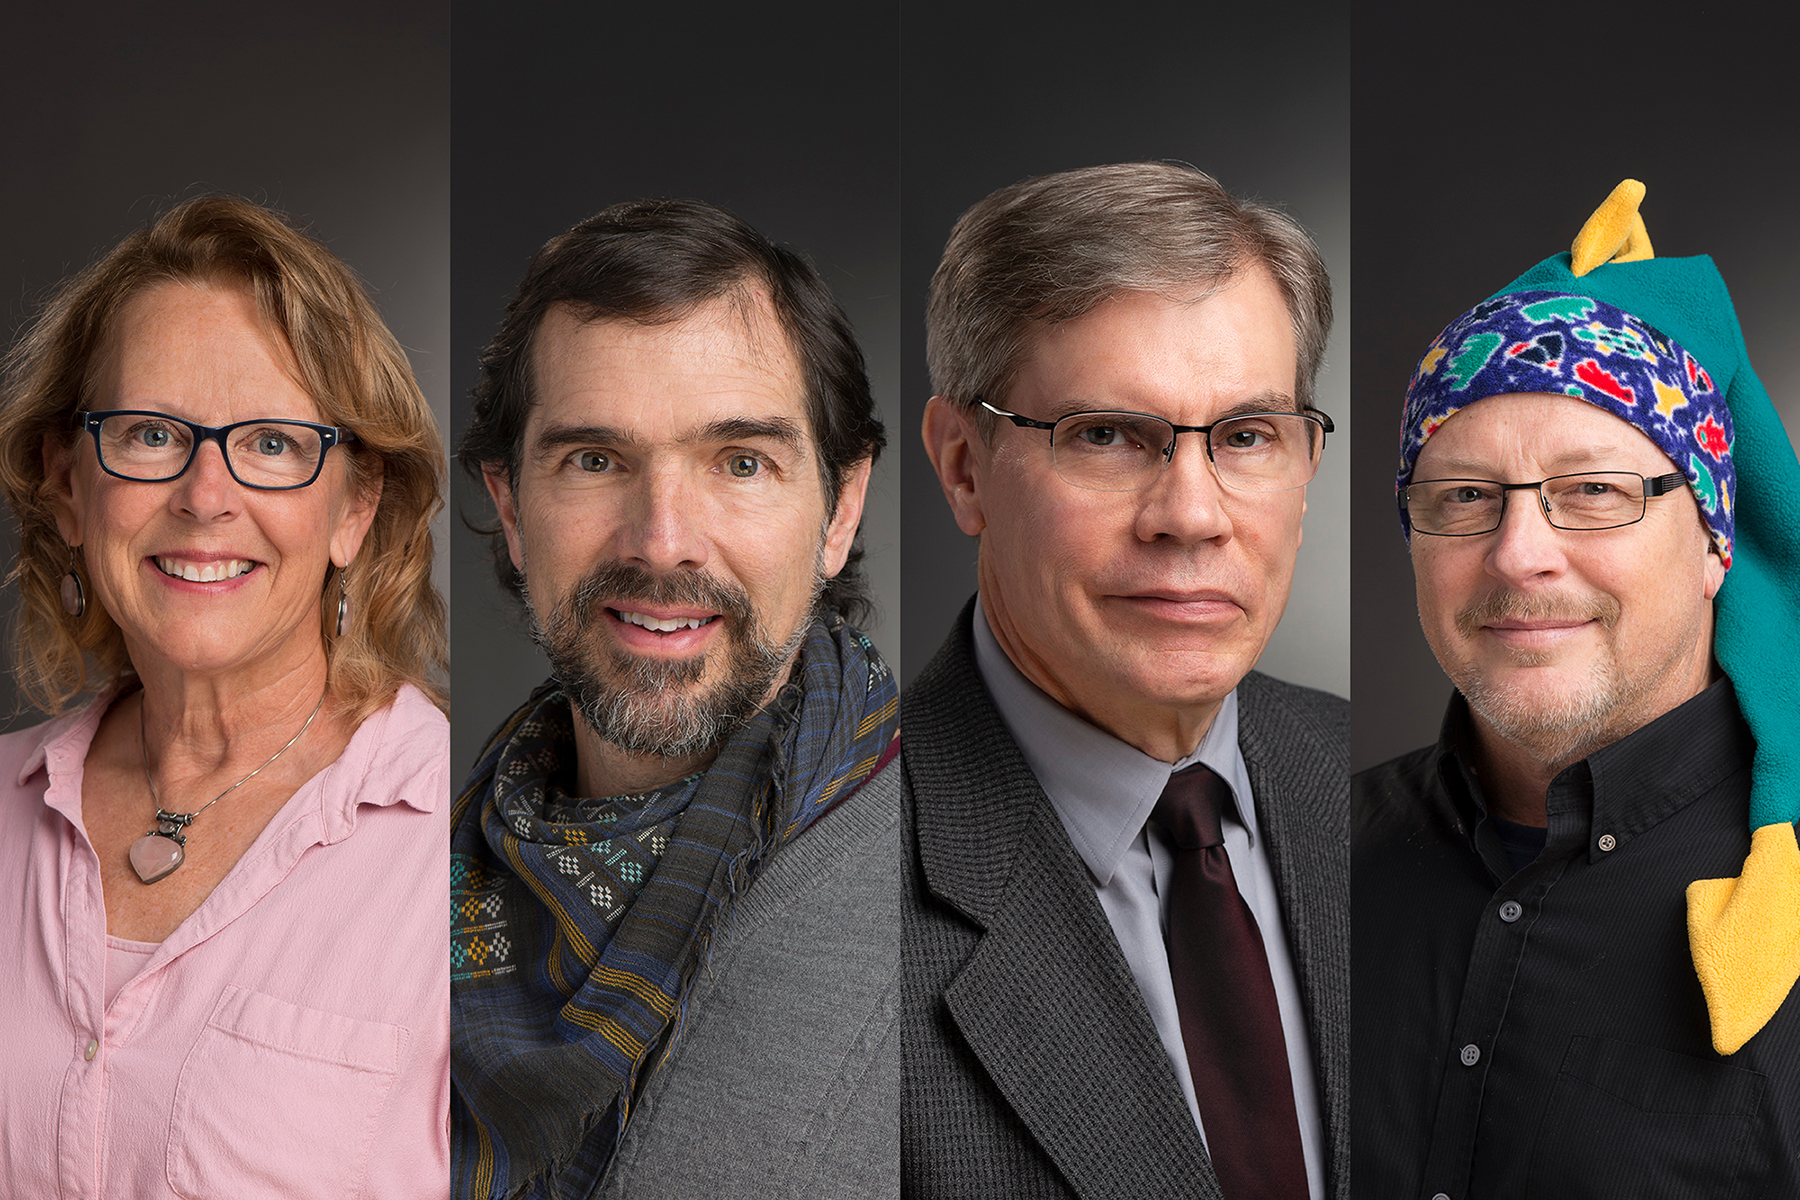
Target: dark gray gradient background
1480	150
788	118
1257	96
335	113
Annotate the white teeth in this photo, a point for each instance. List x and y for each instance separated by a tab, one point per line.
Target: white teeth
211	572
662	624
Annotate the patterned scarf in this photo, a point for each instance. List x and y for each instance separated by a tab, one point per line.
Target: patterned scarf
577	925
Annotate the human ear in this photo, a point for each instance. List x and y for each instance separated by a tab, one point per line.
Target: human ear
359	515
840	534
59	487
958	455
494	475
1715	573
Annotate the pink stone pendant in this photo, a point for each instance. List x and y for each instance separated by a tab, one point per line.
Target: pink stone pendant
155	857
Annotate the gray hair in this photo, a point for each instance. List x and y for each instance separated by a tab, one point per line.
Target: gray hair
1053	248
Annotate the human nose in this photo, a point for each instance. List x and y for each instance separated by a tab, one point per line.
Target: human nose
207	490
1526	546
665	528
1186	502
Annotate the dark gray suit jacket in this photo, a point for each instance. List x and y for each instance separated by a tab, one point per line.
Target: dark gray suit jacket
1030	1064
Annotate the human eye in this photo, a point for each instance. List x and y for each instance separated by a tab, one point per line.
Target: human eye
270	441
149	433
1101	436
1096	432
593	462
1582	489
1246	434
148	439
1594	496
1466	493
744	466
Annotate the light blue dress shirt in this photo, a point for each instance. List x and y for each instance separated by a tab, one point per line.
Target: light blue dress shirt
1103	791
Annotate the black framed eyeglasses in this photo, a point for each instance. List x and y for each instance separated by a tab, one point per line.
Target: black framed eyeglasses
271	454
1128	451
1591	500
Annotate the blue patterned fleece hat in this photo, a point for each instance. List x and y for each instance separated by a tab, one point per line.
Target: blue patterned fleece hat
1550	341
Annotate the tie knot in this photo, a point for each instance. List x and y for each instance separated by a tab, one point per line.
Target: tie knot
1188	810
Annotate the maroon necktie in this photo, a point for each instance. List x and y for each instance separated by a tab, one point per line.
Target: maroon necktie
1230	1023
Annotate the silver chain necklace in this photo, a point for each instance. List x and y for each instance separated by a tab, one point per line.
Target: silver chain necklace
156	855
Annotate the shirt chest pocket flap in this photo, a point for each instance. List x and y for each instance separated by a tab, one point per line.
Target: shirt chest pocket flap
1622	1117
276	1099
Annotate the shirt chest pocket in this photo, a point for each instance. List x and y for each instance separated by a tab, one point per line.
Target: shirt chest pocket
276	1099
1626	1120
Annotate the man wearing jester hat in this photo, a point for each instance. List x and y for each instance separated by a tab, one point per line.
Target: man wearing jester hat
1577	915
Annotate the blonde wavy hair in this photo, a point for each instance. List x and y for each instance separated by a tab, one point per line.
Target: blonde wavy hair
348	362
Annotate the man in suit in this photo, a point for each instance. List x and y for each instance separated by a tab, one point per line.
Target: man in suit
1125	944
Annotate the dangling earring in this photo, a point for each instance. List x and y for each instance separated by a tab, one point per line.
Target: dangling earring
74	599
343	599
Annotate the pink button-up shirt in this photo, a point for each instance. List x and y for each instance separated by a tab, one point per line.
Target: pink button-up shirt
290	1039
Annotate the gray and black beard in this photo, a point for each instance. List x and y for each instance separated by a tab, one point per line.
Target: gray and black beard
642	705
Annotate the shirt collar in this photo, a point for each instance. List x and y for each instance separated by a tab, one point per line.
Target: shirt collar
1637	781
1102	788
354	779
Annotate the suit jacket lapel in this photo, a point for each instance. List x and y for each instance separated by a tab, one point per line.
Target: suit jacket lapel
1046	1002
1301	782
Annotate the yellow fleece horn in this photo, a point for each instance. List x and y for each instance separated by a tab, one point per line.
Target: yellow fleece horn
1615	233
1745	937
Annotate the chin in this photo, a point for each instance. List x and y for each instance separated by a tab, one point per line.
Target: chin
1557	720
1193	680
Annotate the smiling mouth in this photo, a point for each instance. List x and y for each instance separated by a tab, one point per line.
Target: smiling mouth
212	572
662	624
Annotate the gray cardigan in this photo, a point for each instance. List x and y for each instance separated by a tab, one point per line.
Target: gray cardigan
786	1080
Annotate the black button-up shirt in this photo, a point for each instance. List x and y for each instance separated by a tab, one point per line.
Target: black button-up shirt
1541	1033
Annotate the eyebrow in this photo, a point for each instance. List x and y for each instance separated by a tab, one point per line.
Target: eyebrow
781	430
1266	402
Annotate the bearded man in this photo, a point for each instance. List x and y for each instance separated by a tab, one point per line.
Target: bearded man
1577	915
675	867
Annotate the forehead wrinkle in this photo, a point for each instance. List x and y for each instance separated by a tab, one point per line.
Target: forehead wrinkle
219	371
561	435
1607	456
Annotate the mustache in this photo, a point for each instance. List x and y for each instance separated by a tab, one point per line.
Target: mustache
1536	606
610	583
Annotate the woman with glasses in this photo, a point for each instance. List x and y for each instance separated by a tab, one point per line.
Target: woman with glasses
227	852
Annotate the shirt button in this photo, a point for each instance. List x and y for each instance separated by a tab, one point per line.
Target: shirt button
1607	841
1511	911
1440	1196
1471	1054
90	1050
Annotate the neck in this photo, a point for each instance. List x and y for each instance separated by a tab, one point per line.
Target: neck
603	769
196	724
1515	778
1514	781
1167	733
